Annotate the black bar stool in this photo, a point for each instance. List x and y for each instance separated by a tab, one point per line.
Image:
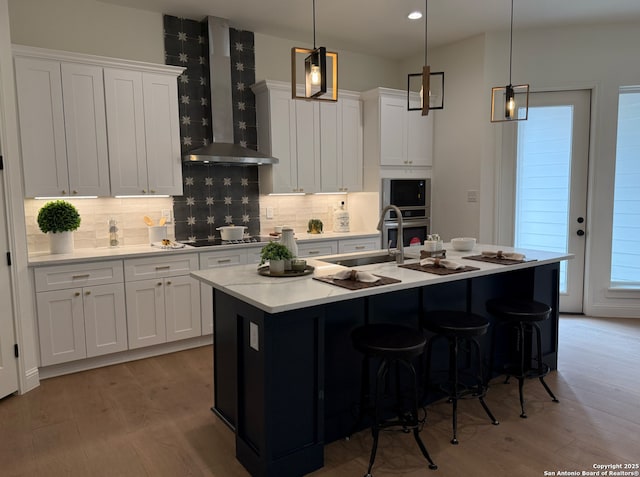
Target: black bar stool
459	327
391	344
524	316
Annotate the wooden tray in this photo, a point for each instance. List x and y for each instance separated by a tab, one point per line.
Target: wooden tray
436	270
354	285
264	271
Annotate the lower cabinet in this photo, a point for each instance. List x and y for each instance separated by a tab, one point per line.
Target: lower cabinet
164	308
317	248
76	322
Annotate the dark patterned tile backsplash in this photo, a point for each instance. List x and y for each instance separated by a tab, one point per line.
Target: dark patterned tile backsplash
214	195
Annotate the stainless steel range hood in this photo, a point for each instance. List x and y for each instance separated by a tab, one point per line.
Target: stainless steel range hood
222	150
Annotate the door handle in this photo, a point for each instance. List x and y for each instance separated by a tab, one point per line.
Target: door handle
580	232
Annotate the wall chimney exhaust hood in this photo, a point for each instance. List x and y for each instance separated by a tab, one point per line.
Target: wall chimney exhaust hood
222	150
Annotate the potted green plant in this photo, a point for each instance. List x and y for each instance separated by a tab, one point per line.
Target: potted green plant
315	226
59	219
275	253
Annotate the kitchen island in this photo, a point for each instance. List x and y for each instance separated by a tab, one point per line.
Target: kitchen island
286	378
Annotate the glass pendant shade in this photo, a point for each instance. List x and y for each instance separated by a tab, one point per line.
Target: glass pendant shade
510	103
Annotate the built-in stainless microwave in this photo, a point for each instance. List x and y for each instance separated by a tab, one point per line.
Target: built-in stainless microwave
411	196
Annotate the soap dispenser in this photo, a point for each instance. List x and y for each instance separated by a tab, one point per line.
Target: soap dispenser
341	219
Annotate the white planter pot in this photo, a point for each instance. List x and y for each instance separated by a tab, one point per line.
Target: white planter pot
276	267
60	242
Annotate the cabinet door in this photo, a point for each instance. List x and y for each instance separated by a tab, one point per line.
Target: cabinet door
145	313
307	132
393	132
125	123
85	129
42	133
330	147
105	319
162	130
182	305
351	153
61	326
419	139
276	115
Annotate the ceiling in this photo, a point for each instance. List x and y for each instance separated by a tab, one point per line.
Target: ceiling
381	27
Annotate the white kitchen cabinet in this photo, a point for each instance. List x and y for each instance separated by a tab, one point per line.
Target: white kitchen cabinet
318	145
62	128
144	134
397	142
163	301
358	244
81	311
341	156
313	248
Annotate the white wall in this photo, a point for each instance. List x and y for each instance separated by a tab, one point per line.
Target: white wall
88	26
356	72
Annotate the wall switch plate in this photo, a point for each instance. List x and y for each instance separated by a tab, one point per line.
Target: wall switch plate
472	196
254	340
269	212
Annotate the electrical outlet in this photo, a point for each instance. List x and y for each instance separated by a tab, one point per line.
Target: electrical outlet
166	213
254	341
269	212
472	196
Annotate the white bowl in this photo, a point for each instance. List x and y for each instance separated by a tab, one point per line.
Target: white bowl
463	243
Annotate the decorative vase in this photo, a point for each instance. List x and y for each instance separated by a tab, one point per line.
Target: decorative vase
276	267
60	242
288	241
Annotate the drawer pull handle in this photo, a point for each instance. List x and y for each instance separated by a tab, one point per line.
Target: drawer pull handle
224	260
359	247
164	267
314	252
78	277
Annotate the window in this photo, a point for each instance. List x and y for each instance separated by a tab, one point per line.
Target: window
625	247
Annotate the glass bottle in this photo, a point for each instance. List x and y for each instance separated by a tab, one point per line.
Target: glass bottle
113	233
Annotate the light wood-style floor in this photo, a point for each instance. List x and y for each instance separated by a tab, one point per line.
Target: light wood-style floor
152	418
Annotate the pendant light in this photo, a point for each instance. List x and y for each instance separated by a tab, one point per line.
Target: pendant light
431	84
316	70
510	103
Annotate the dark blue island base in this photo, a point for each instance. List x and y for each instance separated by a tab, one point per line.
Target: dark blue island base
288	383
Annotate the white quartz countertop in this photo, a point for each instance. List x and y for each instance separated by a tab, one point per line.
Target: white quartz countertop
135	251
278	294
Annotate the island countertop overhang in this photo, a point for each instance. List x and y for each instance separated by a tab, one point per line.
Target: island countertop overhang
275	295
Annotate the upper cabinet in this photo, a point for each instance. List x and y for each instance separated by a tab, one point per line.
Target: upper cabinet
318	144
144	133
397	141
97	126
62	128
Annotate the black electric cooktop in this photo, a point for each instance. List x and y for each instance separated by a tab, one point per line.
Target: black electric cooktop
219	241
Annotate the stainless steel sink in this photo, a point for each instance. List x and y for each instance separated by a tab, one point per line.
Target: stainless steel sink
359	261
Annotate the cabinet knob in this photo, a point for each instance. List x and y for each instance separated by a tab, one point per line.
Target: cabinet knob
169	282
301	190
144	191
159	284
87	293
76	294
74	192
64	192
152	191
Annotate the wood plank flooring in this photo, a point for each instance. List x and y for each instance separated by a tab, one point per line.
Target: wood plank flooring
152	418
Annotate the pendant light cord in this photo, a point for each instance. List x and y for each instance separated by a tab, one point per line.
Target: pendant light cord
510	43
314	23
426	23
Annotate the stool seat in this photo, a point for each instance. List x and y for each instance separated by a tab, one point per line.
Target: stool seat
388	340
518	310
458	323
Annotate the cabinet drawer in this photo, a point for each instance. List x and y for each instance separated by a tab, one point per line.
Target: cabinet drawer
317	249
59	277
158	267
224	258
358	245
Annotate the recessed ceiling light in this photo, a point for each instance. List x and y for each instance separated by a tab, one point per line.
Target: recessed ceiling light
414	15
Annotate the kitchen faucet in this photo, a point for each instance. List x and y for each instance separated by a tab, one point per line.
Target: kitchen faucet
400	240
